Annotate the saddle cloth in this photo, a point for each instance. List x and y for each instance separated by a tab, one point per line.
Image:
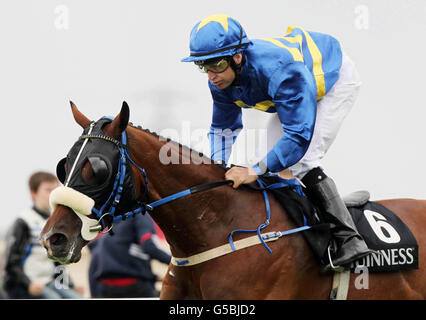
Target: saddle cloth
383	230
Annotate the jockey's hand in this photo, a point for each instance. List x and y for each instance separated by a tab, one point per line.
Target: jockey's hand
241	176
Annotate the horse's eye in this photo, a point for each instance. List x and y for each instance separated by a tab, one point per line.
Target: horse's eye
99	172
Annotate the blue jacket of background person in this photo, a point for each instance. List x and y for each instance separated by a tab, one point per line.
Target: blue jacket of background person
128	252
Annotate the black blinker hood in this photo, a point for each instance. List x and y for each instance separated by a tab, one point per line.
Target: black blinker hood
110	154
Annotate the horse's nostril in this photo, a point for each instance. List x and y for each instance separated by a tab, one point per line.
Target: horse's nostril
57	239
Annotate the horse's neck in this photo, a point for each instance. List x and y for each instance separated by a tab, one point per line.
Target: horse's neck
168	165
185	222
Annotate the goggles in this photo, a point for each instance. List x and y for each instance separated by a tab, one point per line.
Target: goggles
216	66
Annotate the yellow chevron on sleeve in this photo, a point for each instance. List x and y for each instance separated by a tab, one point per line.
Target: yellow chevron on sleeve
262	106
317	61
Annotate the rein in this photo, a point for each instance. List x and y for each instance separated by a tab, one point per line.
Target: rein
118	186
109	207
91	226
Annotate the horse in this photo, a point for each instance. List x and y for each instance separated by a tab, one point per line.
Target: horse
203	221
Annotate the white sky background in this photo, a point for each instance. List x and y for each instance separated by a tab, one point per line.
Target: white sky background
130	50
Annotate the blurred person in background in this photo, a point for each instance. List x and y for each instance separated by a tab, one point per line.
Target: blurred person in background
120	265
29	273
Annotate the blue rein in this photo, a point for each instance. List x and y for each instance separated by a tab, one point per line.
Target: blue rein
115	196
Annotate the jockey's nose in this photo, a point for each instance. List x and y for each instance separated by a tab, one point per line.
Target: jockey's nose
211	75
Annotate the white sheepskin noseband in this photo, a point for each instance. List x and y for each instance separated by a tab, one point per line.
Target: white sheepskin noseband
82	206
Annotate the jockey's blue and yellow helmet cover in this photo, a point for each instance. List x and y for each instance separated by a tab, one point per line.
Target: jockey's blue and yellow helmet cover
216	36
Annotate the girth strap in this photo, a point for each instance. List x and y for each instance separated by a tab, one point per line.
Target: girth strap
227	248
340	287
221	251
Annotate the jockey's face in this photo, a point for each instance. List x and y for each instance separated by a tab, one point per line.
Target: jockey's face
224	79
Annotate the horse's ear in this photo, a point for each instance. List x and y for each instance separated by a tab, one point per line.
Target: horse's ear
80	118
119	124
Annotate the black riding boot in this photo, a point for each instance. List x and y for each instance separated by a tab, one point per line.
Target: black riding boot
322	191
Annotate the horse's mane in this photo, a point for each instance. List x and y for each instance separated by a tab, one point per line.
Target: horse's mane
159	137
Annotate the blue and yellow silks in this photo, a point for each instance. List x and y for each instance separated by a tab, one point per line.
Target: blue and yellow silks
286	75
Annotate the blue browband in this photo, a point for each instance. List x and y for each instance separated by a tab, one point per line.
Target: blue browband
114	197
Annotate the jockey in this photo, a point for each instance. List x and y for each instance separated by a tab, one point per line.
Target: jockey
308	82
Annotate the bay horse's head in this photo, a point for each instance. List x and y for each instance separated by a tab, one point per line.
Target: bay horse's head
99	184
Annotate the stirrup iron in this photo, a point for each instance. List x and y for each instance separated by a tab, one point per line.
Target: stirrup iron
333	267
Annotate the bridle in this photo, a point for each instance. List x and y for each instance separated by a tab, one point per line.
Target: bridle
84	206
